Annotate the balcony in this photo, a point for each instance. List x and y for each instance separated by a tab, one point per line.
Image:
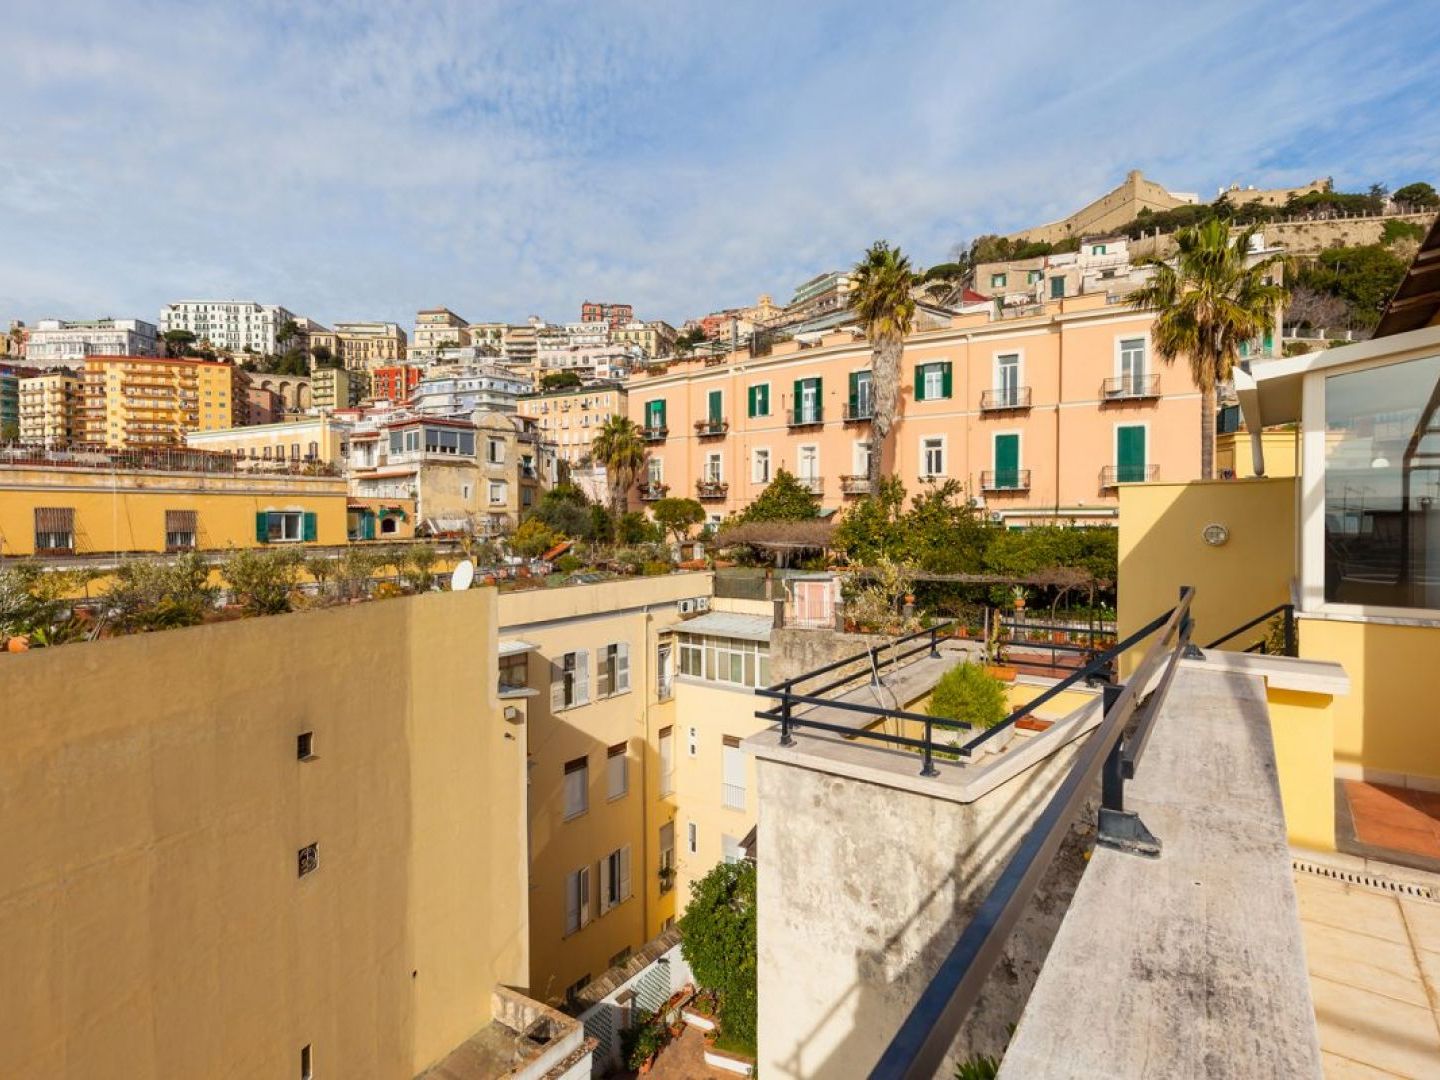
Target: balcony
815	485
1007	399
711	429
854	485
1005	480
711	489
807	418
859	412
1130	388
654	434
652	492
1115	475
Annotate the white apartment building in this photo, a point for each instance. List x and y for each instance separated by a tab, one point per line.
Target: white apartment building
53	342
487	387
437	328
228	325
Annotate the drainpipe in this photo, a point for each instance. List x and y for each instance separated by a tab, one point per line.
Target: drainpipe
1257	453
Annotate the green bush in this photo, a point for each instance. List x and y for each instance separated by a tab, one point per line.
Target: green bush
148	594
970	694
568	564
979	1067
718	940
418	567
261	580
655	568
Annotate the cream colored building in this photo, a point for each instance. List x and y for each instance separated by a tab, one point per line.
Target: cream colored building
316	440
50	409
655	339
571	418
336	388
361	346
135	401
437	327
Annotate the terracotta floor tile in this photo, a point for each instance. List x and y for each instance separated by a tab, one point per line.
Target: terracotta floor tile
1396	818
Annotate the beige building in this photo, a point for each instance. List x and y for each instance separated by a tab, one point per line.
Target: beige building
336	388
251	874
489	335
361	346
135	401
654	339
50	409
1243	196
436	328
310	439
571	418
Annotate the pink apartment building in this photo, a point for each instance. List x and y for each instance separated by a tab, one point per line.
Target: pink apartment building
1040	418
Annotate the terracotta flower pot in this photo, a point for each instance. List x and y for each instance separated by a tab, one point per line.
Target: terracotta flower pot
19	643
1002	672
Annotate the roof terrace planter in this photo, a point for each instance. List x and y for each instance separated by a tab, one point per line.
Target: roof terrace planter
1008	399
1114	475
1001	480
711	429
851	486
1130	388
654	434
711	489
653	492
857	413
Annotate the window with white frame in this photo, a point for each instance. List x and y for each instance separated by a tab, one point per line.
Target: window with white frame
577	900
860	459
725	660
617	771
612	675
1132	365
615	878
577	787
760	465
284	526
807	463
497	493
570	680
667	761
932	456
1007	379
713	468
654	471
732	787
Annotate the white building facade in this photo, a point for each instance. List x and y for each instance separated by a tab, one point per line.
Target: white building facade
228	325
53	342
487	387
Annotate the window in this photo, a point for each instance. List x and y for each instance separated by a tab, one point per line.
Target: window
495	451
612	670
808	401
664	670
667	857
1032	276
1382	498
715	407
725	660
758	400
570	680
655	415
284	526
1006	460
667	761
932	381
692	838
1132	365
713	470
497	493
305	746
1057	288
693	747
807	463
577	904
295	451
997	281
733	783
1098	249
308	858
932	456
617	772
615	878
180	529
760	466
1007	379
730	849
307	1064
54	530
412	440
861	398
577	787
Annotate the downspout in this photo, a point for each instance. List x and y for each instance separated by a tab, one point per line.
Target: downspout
1257	453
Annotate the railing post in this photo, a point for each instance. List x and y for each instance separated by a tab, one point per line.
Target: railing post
786	739
1112	778
928	769
1291	645
935	642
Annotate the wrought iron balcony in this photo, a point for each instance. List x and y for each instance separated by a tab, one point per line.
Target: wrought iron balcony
654	434
855	485
710	429
651	492
1114	475
815	485
858	412
711	489
807	417
1005	480
1131	388
1004	399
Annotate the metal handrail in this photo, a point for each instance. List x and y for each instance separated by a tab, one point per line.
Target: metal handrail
919	1047
1288	610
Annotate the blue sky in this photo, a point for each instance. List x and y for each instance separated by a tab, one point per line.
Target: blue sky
360	159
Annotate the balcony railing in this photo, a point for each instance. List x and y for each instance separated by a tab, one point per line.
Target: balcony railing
651	492
709	429
806	417
1131	388
858	411
1004	399
654	434
815	485
1005	480
734	796
711	489
1113	475
854	485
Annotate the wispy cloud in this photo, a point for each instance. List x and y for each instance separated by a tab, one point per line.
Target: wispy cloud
363	159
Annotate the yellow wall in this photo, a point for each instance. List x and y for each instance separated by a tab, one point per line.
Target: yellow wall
277	441
1233	453
126	511
1303	728
151	916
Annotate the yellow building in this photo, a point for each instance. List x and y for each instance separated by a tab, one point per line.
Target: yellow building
101	503
241	872
143	401
335	388
572	418
591	669
364	345
50	407
310	440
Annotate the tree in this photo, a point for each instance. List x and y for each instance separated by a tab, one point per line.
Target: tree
1364	277
261	581
874	527
533	538
880	294
940	532
9	431
784	499
287	332
324	357
179	342
678	516
621	449
560	380
567	511
150	594
1418	194
970	694
1208	302
1315	309
719	943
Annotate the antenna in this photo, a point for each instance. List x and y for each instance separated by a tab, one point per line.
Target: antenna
463	576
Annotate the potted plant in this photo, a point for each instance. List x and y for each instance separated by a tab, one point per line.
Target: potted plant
1018	593
995	653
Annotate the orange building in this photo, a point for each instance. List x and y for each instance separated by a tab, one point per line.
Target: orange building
395	382
1040	418
132	402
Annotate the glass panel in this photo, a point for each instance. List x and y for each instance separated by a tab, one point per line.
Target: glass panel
1382	486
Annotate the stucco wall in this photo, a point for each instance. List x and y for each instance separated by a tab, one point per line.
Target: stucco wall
151	810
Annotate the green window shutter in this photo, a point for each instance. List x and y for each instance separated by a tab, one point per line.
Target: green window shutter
920	382
763	396
1130	454
262	528
1007	461
945	380
799	397
819	398
309	523
750	401
367	526
1269	340
854	392
716	406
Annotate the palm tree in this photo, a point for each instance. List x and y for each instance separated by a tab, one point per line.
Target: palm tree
1210	300
880	294
619	447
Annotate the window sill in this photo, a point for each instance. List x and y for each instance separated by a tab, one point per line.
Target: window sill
575	817
616	798
1430	620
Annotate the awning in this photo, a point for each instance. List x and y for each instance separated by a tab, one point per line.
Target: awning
729	624
439	526
514	647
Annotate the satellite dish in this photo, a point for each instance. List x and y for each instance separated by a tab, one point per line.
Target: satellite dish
463	576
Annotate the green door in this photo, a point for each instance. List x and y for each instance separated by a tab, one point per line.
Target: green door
1007	461
1057	288
1130	455
714	408
655	414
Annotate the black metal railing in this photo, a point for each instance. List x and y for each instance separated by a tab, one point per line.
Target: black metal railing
1115	475
1009	397
1288	643
806	417
1005	480
856	411
654	434
1131	388
919	1047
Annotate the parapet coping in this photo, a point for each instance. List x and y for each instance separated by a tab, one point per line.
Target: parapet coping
1279	672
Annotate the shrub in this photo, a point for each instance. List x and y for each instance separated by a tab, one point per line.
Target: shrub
261	581
148	594
568	564
635	528
533	538
969	693
655	568
979	1067
718	942
353	571
417	566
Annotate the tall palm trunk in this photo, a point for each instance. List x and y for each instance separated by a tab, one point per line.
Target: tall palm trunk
1207	433
885	407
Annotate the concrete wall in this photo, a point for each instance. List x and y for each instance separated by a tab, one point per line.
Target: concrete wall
151	810
1233	453
864	887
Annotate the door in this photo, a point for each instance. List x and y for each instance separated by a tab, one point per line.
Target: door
1132	367
1007	379
860	395
809	463
1130	454
1057	288
714	406
1007	461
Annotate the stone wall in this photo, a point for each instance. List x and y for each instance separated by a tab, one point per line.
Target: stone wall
1299	237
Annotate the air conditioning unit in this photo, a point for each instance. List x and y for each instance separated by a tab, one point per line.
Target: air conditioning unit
686	607
702	603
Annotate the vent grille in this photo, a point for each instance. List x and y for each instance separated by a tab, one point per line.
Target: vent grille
1411	889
